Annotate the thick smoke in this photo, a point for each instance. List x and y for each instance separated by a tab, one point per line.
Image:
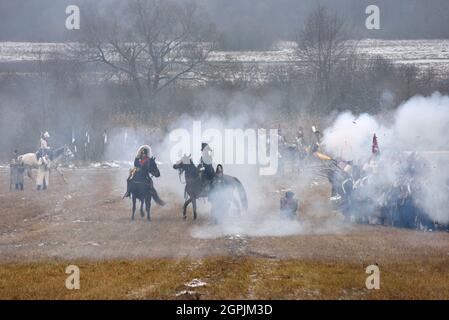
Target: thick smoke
264	192
417	136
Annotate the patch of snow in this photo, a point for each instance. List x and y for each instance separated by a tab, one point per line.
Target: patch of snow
195	283
185	292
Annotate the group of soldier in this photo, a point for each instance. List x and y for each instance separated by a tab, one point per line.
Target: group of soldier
300	140
398	205
393	189
17	167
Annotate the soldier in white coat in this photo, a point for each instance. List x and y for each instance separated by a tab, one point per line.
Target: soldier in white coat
44	148
43	173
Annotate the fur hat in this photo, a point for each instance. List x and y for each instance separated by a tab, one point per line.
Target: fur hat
204	145
144	149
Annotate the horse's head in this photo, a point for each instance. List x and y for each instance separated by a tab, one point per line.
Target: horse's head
67	152
61	151
183	163
152	168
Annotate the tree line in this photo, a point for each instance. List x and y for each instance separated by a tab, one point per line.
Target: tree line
145	63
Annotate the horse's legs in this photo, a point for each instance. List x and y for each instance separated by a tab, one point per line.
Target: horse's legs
148	206
134	206
194	208
184	208
142	200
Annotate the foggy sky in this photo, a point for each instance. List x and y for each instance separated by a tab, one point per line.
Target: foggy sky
241	21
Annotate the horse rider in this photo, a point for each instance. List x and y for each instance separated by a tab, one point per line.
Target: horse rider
44	148
43	172
140	170
207	172
316	140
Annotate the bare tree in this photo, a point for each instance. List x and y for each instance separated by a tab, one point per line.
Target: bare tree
321	45
152	43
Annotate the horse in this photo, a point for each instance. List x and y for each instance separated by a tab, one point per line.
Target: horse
142	188
30	160
223	185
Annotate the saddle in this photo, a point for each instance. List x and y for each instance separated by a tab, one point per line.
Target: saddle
43	152
132	172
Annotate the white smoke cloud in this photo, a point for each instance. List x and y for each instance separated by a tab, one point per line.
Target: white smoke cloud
421	125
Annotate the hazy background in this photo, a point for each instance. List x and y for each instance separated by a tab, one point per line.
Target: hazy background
243	24
78	98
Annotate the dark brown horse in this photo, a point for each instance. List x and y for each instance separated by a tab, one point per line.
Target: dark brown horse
142	188
223	185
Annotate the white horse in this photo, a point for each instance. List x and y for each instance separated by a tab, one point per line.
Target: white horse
30	161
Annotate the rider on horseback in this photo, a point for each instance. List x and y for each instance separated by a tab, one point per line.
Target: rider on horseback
140	169
207	172
44	148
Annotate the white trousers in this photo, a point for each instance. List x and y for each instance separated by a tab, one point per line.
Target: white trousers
43	176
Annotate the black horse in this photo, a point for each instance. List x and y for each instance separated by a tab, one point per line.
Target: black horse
220	191
142	188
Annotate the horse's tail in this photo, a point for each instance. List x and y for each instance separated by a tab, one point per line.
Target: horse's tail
242	193
156	198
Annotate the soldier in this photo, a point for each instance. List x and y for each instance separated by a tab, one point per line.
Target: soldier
316	140
289	206
282	141
16	172
300	143
299	137
206	167
43	173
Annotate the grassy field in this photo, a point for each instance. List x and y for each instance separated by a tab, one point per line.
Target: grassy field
86	223
225	278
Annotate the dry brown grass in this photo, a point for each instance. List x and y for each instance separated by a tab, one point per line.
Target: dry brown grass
227	278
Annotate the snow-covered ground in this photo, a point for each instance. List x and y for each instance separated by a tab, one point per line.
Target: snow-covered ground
398	50
422	53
